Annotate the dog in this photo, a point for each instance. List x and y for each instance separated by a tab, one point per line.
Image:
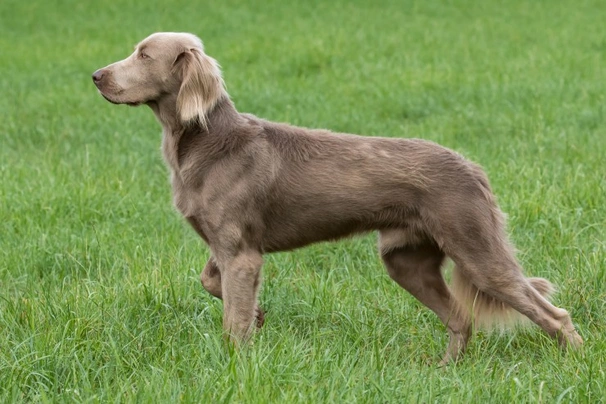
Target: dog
249	186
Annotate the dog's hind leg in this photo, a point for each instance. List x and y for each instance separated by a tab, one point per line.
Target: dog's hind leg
417	268
498	274
473	236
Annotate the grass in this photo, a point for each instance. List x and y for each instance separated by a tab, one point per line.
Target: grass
99	293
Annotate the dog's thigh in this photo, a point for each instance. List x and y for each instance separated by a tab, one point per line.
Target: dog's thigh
417	268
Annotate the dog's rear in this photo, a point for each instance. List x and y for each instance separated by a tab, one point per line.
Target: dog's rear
249	186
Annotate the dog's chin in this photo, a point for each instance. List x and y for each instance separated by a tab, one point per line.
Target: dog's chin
119	102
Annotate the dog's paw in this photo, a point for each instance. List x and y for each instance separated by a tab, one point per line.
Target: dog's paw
570	339
260	317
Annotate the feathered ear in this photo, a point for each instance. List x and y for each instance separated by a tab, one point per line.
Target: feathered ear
201	87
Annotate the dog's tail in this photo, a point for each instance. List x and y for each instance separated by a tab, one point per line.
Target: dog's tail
484	311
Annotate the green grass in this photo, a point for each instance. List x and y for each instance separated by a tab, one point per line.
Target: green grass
100	299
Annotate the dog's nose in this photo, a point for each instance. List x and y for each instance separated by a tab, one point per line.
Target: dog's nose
98	75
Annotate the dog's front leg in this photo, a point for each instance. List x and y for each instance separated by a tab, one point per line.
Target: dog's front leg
211	274
240	280
211	278
211	281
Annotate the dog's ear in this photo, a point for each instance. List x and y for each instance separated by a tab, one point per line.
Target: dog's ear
201	85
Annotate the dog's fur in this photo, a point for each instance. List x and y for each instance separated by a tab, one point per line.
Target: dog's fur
249	187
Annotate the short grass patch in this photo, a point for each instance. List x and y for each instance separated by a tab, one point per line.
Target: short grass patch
100	298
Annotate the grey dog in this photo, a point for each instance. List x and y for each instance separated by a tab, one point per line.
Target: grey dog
249	187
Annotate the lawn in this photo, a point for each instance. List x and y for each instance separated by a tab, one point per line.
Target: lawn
100	299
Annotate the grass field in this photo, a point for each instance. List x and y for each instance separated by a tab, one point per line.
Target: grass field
100	299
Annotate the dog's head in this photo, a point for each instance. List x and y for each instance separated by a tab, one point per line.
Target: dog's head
165	66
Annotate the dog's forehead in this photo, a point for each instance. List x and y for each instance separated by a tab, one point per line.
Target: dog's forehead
171	40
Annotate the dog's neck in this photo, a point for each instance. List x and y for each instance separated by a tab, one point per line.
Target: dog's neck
219	121
165	110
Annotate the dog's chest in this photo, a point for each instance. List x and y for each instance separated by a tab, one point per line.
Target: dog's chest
182	198
170	151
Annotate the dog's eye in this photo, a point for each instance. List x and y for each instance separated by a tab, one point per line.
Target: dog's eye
143	55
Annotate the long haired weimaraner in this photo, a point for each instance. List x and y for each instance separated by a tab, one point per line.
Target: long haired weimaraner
249	187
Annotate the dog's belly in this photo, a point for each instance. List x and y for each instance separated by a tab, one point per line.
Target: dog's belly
326	223
310	233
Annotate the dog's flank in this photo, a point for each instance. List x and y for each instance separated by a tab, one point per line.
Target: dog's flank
250	186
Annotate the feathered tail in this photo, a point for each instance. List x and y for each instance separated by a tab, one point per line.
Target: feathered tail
484	311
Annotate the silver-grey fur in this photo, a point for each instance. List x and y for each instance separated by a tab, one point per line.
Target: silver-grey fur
250	187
